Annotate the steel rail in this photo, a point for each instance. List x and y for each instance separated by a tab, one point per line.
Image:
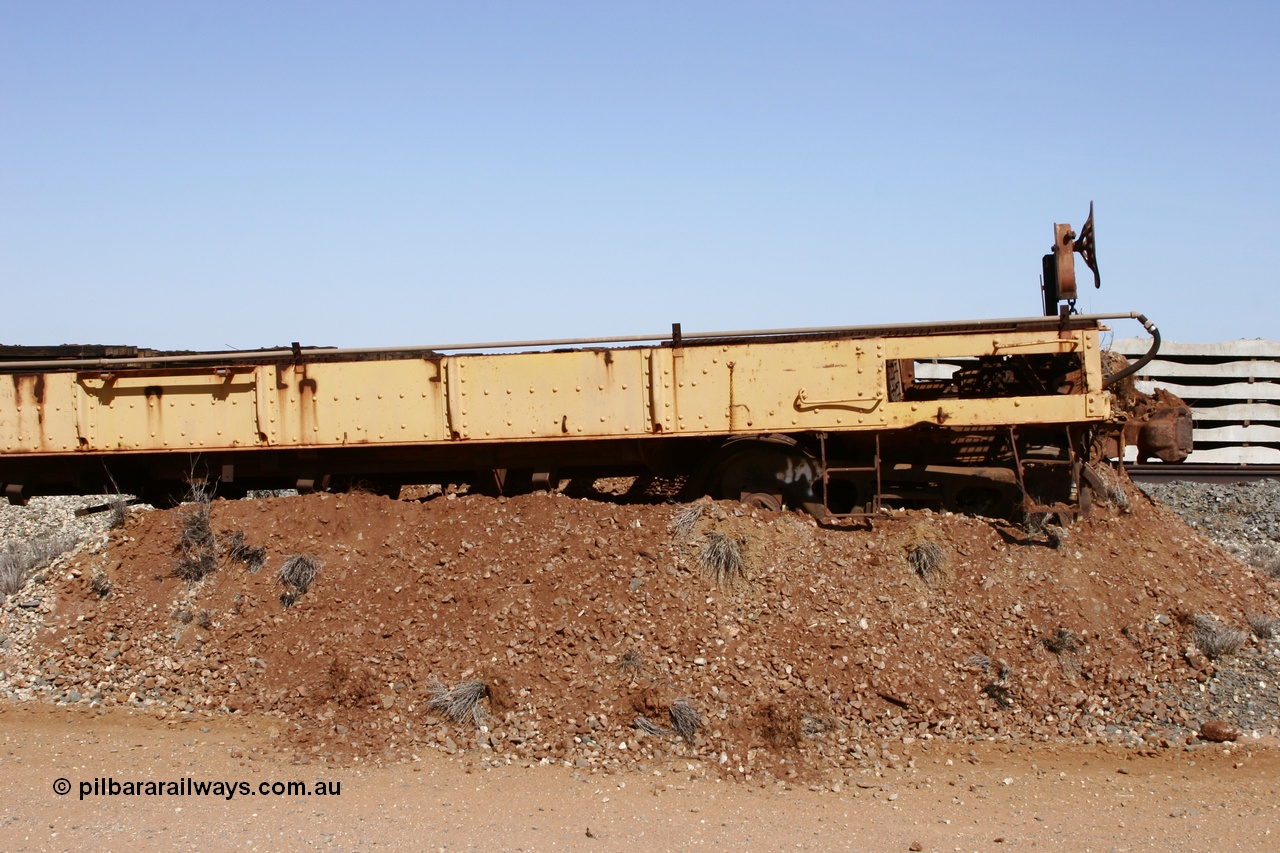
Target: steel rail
1201	472
1043	322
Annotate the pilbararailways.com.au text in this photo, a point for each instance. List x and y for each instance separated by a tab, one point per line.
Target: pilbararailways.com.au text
189	787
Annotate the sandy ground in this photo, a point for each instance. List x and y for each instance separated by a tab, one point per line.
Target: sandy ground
989	796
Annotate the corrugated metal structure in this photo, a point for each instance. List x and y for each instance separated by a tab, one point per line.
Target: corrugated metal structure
1233	389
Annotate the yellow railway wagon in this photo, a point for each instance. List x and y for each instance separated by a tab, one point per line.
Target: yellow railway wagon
836	418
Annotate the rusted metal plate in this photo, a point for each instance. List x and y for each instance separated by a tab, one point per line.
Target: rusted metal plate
342	404
1063	252
176	410
37	414
1166	434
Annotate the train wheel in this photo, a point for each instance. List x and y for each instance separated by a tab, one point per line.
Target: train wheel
764	474
770	500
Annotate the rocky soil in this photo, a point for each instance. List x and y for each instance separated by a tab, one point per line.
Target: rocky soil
593	633
1244	517
50	516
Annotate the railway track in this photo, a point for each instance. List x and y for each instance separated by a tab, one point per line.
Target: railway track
1201	473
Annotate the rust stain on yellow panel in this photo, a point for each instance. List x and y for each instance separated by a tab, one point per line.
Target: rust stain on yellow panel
37	414
352	403
179	410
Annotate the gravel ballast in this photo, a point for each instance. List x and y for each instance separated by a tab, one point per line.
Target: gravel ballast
1240	517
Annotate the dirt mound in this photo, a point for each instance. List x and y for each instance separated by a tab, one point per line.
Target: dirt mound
611	635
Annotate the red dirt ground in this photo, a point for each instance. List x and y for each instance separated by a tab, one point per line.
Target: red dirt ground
830	656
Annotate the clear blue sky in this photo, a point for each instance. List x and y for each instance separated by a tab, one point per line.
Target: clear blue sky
201	175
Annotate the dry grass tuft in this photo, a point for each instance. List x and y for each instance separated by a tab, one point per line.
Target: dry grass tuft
1214	639
1263	627
631	663
649	727
118	513
1265	558
296	575
1036	524
926	558
1002	695
1113	490
20	560
684	521
460	703
999	668
721	559
1064	642
685	720
811	725
254	558
1066	645
198	549
117	504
